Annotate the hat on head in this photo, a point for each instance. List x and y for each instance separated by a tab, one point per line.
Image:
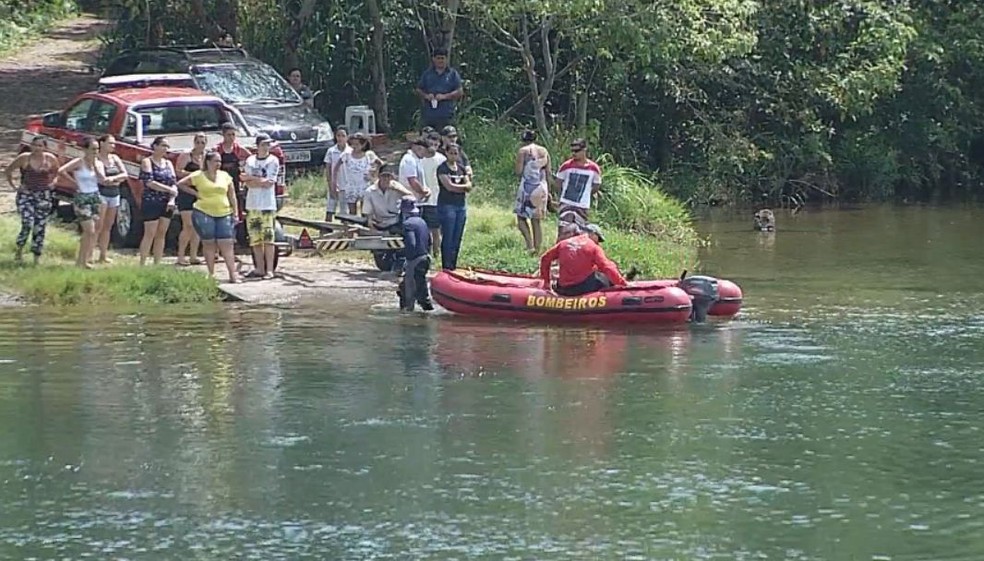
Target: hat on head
386	169
422	142
427	130
262	137
594	229
448	131
408	205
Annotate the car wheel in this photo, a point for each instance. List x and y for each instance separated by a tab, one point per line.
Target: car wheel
129	227
63	211
383	260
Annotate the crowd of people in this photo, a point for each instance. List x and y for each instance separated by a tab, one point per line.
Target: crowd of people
206	188
423	198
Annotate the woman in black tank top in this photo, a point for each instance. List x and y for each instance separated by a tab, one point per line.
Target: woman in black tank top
109	193
188	240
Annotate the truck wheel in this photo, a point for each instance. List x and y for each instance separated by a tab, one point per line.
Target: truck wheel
129	223
383	260
63	211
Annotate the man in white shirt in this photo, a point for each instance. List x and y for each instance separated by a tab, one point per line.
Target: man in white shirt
381	203
428	205
411	175
580	180
260	178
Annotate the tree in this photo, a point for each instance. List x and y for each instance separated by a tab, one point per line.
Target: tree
377	66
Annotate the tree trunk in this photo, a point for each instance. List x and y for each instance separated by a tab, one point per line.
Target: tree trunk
377	68
226	17
581	122
540	90
295	30
438	28
448	21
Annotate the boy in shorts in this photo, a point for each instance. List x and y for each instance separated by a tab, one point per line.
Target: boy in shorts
260	178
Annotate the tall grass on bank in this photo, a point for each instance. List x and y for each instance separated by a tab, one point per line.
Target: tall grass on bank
57	281
492	241
66	285
22	21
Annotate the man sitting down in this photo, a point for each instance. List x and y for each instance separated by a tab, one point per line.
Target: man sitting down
584	267
381	202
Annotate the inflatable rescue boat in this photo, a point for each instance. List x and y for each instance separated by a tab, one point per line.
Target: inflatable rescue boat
503	295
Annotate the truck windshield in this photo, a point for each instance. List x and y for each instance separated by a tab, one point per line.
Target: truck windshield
244	83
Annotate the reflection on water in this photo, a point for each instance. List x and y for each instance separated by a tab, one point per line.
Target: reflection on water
838	419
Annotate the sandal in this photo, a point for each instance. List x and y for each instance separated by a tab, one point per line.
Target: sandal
254	274
195	262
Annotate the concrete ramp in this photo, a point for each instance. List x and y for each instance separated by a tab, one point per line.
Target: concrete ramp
303	277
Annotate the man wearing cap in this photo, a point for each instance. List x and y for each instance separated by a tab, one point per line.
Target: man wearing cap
260	173
439	88
381	205
580	179
416	247
584	267
449	137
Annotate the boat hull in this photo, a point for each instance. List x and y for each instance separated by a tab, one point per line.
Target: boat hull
505	296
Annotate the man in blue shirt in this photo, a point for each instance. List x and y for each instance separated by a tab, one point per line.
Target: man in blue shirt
416	249
439	89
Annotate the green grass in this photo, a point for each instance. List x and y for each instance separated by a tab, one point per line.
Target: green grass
60	241
644	226
57	281
492	241
20	25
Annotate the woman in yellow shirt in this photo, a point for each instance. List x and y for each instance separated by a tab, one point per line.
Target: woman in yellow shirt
214	212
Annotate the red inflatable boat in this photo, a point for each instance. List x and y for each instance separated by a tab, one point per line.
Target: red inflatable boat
502	295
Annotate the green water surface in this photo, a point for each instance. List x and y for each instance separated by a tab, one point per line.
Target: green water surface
838	418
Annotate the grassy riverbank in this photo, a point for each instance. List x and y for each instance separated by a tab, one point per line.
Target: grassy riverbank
22	23
57	281
644	227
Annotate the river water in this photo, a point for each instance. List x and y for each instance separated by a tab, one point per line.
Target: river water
840	417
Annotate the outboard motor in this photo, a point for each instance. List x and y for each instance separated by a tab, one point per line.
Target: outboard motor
704	293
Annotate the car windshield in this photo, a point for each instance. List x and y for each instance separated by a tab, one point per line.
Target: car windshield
244	83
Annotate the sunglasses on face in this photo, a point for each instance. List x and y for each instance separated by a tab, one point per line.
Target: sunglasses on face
577	148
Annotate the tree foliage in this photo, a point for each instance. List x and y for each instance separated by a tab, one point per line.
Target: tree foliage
729	100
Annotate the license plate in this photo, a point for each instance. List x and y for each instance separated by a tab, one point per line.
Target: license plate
299	156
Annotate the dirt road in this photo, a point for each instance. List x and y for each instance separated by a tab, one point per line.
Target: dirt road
44	76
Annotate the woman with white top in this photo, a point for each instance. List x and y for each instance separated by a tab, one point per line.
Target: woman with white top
87	173
331	158
353	172
532	167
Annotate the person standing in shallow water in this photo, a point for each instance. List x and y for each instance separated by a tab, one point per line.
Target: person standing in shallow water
38	168
416	246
